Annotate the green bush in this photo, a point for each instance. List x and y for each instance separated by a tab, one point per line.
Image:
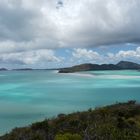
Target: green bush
68	136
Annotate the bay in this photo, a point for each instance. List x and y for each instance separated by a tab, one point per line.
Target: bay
30	96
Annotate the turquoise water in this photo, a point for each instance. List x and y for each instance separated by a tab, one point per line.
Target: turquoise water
29	96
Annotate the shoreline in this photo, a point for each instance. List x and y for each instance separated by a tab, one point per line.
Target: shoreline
83	116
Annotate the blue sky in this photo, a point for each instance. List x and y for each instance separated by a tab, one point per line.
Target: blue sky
103	51
60	33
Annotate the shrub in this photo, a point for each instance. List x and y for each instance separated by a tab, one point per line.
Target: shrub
68	136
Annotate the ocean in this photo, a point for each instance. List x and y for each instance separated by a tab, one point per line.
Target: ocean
30	96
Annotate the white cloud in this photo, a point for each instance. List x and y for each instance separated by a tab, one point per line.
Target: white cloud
38	57
129	54
95	57
85	54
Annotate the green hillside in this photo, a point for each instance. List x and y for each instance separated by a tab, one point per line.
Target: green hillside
120	121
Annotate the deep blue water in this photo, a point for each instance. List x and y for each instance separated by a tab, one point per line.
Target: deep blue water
29	96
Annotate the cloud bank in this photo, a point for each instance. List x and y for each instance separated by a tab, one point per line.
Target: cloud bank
28	26
84	55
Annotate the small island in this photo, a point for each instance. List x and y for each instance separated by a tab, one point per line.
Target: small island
3	69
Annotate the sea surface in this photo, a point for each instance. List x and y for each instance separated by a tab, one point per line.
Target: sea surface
30	96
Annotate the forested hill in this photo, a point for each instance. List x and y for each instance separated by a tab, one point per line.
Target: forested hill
122	65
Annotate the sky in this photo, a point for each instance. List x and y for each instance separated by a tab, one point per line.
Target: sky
61	33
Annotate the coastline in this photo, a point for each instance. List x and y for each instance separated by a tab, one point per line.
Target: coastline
119	116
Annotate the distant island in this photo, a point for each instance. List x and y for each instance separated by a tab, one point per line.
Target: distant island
3	69
23	69
122	65
120	121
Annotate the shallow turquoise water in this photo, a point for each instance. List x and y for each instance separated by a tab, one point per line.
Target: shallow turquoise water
29	96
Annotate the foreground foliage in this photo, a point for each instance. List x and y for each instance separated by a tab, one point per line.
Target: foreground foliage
116	122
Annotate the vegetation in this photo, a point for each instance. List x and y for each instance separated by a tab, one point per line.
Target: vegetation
122	65
116	122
